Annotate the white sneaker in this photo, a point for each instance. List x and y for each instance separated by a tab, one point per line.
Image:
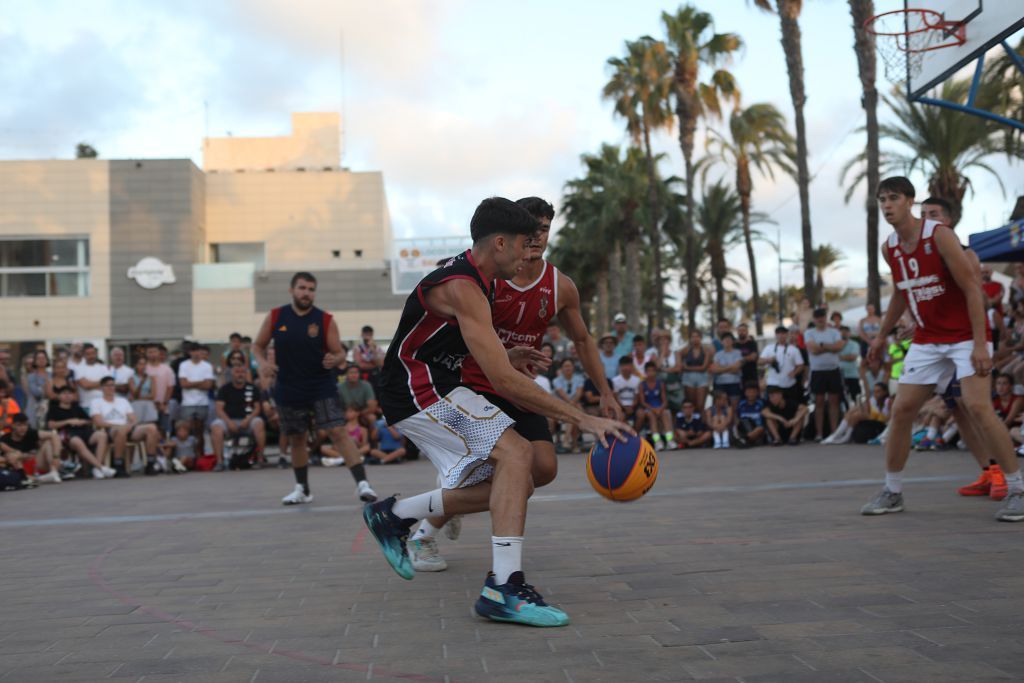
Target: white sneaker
332	462
453	528
659	445
97	473
671	445
109	472
297	497
51	477
425	557
178	466
161	464
365	493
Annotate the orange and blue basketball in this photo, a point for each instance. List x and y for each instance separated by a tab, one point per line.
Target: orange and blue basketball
623	471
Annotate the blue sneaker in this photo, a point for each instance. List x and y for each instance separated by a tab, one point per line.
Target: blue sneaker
391	533
517	602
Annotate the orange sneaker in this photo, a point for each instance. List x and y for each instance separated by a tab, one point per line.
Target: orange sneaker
982	487
999	489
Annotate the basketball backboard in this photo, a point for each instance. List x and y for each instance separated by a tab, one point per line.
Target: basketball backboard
987	23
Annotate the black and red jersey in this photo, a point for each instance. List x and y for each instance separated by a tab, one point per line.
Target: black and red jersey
424	361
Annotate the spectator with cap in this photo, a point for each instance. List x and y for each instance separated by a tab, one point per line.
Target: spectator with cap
623	337
89	374
368	356
824	344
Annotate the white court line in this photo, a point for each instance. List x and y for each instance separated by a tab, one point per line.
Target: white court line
543	498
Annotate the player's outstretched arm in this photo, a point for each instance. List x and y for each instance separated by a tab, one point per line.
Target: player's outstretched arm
586	348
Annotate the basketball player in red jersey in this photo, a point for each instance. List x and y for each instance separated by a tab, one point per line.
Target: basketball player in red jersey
523	308
942	291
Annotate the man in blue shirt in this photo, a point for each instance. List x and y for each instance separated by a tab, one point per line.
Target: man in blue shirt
750	420
691	430
623	337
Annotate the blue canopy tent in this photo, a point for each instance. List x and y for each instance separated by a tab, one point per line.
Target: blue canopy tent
1001	245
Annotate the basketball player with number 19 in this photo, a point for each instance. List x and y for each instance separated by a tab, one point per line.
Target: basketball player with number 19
942	291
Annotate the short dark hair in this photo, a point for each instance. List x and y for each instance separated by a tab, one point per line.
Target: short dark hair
500	216
66	387
367	328
774	390
349	367
723	320
19	418
751	385
246	339
88	345
568	360
781	328
820	312
897	184
650	364
844	328
639	337
106	380
625	360
234	336
537	207
302	275
686	400
727	335
941	203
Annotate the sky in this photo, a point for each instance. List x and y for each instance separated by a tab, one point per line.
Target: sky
452	100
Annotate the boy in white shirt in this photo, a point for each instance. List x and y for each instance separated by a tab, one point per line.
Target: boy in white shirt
114	414
626	386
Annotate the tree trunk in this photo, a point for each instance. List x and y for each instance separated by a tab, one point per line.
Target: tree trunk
719	298
633	278
653	227
864	44
614	282
602	321
744	189
686	113
789	11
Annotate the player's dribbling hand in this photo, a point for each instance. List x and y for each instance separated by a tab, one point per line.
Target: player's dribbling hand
528	360
601	427
981	360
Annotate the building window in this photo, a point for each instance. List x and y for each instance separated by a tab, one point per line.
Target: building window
239	252
58	267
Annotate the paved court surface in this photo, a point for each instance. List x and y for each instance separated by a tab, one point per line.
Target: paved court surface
739	566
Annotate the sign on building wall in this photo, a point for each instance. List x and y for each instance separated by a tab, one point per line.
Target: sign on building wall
413	259
151	273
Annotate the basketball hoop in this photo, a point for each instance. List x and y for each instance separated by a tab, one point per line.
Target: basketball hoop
903	36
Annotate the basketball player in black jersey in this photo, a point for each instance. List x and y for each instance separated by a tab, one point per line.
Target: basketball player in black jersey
485	465
307	348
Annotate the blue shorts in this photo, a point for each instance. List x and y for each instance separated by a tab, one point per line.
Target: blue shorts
731	390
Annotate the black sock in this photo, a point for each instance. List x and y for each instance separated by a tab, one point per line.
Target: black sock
358	472
118	463
302	478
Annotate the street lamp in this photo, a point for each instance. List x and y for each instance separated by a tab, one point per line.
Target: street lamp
777	246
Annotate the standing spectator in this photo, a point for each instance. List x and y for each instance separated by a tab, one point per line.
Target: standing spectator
640	354
691	430
568	386
35	384
609	360
8	407
747	346
835	320
994	293
783	362
234	346
868	328
121	373
726	369
797	338
824	344
654	403
623	337
357	393
848	357
196	379
696	357
750	417
76	359
254	367
670	369
60	378
142	393
391	447
115	415
719	418
238	414
626	385
89	374
368	356
164	381
784	417
23	443
722	327
76	433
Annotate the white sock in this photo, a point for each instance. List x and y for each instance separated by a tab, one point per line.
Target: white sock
429	504
718	440
725	439
950	433
931	433
894	482
507	554
1014	482
426	530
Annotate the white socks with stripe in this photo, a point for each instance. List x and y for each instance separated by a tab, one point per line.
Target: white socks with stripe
507	552
894	482
429	504
1014	482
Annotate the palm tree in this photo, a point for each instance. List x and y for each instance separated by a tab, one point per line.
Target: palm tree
695	44
942	143
720	217
825	257
758	138
640	85
789	15
864	46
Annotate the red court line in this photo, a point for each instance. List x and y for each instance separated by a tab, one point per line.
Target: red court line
357	543
98	580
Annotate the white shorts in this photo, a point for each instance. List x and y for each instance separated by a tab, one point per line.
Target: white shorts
938	363
458	434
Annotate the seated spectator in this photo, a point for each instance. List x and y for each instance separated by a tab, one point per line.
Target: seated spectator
784	417
591	402
691	431
234	346
357	393
142	393
726	369
330	457
654	403
121	373
88	375
114	414
390	447
568	386
750	417
74	428
237	410
626	386
719	417
23	443
1006	404
237	358
8	407
180	449
368	356
195	376
865	422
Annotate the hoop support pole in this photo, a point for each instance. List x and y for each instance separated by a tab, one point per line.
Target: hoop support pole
1019	125
976	81
1014	56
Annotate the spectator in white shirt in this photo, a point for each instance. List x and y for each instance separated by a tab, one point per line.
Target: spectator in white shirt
121	373
641	355
626	385
114	414
196	378
784	362
89	374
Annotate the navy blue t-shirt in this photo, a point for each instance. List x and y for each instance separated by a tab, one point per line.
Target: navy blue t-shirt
694	424
300	342
751	410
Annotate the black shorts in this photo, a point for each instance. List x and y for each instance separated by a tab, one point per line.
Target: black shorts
323	413
826	382
530	426
852	386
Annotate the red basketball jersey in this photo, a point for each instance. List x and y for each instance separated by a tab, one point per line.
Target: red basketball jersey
933	297
521	316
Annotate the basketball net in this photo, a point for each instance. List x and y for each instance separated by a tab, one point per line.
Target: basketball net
903	37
